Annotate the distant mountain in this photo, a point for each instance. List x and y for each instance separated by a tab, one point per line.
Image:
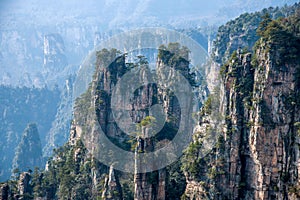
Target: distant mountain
18	108
49	109
75	28
111	14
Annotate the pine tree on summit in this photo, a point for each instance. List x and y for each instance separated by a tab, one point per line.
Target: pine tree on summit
266	19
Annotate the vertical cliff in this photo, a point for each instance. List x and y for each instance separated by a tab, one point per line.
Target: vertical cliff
257	153
112	188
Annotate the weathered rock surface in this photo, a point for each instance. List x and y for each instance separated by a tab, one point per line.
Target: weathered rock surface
112	188
258	156
147	186
23	184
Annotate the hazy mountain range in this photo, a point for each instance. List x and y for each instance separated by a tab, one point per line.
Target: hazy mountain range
75	27
116	13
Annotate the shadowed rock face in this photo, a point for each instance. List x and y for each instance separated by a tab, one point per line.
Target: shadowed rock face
23	184
4	191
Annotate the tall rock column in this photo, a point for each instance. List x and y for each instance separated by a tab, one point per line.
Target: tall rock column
112	189
29	151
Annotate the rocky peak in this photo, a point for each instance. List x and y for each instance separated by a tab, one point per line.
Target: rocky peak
146	185
29	151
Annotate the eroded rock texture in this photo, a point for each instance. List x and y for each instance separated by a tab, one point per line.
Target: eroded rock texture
257	153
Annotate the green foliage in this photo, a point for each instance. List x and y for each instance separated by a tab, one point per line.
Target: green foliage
36	183
177	57
242	28
112	63
242	185
152	178
176	181
105	57
190	161
221	144
65	177
297	128
244	32
208	105
141	60
295	190
233	59
174	54
127	189
281	38
266	19
212	172
285	177
147	121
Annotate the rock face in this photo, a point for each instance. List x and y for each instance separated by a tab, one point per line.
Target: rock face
31	52
23	184
72	164
4	191
147	186
20	189
147	190
112	189
55	69
54	52
257	153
